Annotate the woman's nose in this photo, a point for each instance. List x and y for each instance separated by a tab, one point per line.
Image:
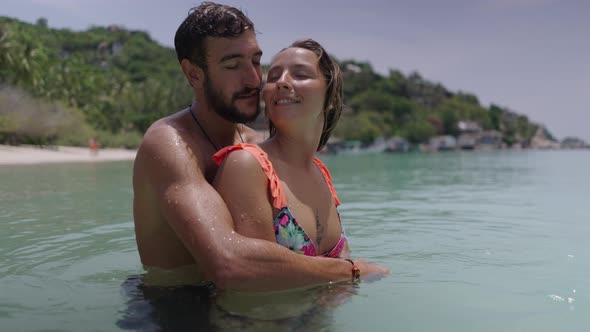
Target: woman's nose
283	82
283	85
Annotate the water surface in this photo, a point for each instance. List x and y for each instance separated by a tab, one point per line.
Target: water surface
476	241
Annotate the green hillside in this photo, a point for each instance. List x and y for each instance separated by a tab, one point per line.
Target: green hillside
58	86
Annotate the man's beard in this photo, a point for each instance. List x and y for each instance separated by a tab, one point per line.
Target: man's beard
229	111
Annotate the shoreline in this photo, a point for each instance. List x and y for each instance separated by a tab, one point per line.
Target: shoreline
32	155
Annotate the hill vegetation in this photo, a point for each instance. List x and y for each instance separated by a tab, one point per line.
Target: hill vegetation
59	86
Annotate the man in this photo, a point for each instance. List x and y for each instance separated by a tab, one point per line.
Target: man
181	222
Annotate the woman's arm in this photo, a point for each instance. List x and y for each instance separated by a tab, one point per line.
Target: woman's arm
244	187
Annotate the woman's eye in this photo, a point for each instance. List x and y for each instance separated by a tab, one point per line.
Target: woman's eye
301	75
271	78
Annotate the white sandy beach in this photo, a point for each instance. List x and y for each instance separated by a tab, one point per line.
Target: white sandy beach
23	155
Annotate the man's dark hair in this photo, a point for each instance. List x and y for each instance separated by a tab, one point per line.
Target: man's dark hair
208	20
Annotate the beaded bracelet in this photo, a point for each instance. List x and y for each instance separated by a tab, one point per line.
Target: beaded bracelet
356	272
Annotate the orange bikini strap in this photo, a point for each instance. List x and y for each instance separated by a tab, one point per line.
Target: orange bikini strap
328	178
276	190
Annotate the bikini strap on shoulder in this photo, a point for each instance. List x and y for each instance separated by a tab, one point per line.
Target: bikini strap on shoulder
328	178
276	190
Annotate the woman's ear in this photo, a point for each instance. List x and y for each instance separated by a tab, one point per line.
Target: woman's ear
193	73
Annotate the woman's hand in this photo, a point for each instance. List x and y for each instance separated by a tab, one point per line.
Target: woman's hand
371	271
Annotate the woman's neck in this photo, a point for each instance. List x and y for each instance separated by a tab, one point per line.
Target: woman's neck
295	150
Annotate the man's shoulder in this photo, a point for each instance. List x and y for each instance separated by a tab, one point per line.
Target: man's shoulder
168	141
169	133
167	127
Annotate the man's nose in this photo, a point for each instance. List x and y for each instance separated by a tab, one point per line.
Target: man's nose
252	77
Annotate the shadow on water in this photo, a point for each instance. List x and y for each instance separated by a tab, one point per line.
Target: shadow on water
202	308
153	308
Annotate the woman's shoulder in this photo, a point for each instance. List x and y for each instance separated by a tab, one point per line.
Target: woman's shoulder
247	166
241	156
238	169
242	152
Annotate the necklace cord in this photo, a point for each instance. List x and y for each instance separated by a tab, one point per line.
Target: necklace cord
190	109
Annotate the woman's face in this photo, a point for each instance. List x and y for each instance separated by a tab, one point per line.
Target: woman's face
295	88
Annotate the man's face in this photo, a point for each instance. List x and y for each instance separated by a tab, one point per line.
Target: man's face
233	77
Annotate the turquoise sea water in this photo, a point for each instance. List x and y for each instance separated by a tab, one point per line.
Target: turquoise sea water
495	241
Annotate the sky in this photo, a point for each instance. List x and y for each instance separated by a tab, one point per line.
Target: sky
531	56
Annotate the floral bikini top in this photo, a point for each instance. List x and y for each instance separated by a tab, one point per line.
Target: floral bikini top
288	232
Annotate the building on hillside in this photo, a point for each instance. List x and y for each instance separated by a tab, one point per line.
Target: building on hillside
442	143
397	144
489	140
469	133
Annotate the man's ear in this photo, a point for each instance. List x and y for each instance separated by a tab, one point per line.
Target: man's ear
193	73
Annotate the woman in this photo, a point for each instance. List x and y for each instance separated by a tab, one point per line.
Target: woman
280	179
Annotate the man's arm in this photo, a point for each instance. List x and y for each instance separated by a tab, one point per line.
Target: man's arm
201	220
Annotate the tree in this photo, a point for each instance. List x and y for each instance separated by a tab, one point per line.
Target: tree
419	131
495	116
41	22
6	53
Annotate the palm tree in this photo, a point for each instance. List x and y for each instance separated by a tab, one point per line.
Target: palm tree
15	60
6	49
